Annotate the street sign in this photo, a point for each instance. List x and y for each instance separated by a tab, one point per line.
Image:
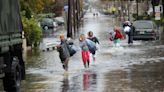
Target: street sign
157	9
66	8
157	13
157	16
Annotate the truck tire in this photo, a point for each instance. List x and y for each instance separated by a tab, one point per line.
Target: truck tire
12	80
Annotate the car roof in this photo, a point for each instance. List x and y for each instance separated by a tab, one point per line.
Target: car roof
47	20
149	21
144	21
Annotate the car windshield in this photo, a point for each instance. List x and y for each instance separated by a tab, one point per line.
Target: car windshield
60	19
143	25
47	20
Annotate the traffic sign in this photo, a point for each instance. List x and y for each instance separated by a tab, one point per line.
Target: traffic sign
157	16
157	9
157	12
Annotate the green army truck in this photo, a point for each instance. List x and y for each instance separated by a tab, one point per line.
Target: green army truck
12	68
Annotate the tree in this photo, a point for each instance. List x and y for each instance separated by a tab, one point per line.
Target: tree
36	6
29	10
25	9
49	5
58	7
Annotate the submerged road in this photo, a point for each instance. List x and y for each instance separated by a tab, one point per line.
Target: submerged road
137	68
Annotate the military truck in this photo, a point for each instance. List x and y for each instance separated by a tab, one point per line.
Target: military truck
12	68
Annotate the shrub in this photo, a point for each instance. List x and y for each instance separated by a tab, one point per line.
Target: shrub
32	31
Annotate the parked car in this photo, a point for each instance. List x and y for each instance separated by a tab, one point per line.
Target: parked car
48	23
145	29
59	20
49	44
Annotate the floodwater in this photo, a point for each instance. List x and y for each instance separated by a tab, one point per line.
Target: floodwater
136	68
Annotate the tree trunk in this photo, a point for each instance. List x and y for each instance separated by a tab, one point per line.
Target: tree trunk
78	12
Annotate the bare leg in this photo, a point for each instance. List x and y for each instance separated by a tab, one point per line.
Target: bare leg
63	64
66	64
88	63
85	65
94	59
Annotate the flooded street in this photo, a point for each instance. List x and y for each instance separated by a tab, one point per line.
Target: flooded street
136	68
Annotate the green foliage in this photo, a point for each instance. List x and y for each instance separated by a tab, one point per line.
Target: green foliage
29	11
25	9
162	20
32	31
141	17
159	22
33	7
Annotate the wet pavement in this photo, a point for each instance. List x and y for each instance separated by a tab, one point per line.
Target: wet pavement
136	68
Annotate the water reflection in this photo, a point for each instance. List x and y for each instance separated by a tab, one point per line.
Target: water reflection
86	80
65	86
34	83
89	81
148	77
138	78
49	33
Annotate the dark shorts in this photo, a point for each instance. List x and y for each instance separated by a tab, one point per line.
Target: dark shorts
64	59
93	52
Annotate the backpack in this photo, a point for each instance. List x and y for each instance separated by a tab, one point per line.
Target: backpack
127	29
71	50
91	46
118	35
112	36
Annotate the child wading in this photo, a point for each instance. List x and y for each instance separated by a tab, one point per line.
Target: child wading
95	40
118	36
84	51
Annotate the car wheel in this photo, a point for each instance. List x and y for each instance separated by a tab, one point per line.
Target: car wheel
45	27
12	80
157	38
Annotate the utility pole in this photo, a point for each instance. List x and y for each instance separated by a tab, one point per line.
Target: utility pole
74	18
69	22
163	17
128	11
163	7
73	21
78	9
77	13
137	8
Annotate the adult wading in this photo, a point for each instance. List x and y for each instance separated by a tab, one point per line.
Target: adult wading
63	50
